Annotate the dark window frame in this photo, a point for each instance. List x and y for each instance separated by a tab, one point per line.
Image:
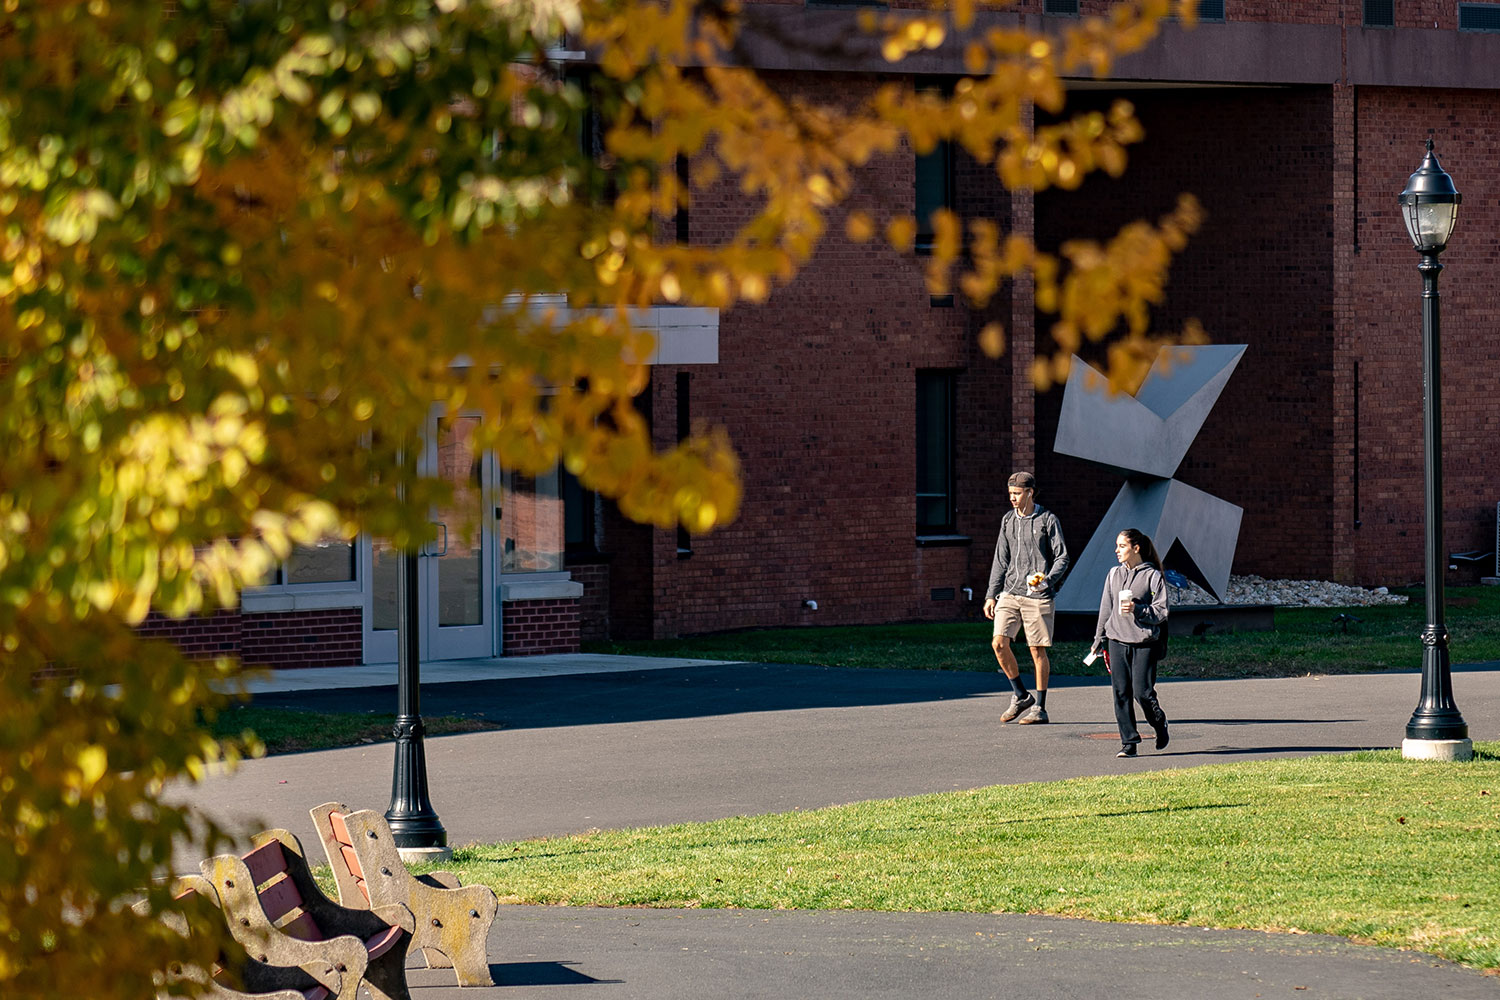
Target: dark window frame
940	164
684	431
1488	14
1379	13
580	517
1215	13
943	486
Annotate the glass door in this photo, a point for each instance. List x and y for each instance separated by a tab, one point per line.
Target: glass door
457	615
458	584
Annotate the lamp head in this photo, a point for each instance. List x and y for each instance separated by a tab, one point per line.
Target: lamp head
1429	205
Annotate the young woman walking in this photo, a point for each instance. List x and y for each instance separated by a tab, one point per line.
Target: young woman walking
1132	616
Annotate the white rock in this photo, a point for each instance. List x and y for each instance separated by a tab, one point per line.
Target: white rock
1287	593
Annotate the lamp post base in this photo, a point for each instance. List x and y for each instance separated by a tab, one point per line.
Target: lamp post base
426	855
1437	749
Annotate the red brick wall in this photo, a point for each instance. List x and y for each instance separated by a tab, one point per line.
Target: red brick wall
200	638
1301	257
593	606
532	628
1409	13
1260	273
817	390
1386	337
330	638
327	638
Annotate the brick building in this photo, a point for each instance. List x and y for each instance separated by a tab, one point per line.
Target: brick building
875	437
1296	125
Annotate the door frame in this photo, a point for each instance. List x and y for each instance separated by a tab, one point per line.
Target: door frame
437	642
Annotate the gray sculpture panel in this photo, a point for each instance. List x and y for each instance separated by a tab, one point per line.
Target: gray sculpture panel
1150	432
1195	533
1144	438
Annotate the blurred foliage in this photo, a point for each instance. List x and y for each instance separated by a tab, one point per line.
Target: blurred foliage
248	246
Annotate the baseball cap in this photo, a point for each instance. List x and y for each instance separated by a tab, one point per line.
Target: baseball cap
1025	480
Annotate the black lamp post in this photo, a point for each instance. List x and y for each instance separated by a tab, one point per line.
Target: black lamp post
1429	207
414	823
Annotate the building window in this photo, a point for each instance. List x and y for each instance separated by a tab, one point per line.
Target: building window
934	185
579	509
329	561
322	575
1208	10
935	458
684	430
934	191
1380	13
1479	17
1067	7
684	229
531	523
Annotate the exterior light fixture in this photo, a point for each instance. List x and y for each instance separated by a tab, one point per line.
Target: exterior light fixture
1437	730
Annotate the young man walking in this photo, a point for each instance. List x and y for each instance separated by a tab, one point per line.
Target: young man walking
1031	560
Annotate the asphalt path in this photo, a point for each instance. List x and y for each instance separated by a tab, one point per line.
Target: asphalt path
632	749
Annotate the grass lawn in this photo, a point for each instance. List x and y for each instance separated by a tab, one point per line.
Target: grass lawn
1365	845
287	730
1305	640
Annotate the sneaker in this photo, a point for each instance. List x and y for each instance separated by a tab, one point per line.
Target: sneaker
1032	715
1128	750
1161	734
1018	705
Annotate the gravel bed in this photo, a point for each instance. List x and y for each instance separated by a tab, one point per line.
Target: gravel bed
1287	593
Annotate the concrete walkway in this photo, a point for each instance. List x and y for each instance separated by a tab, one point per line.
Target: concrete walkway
614	742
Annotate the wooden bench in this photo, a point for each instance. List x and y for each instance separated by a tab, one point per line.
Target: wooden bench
452	921
279	914
235	975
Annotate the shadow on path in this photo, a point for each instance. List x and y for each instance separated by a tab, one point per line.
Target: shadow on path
1258	722
699	692
678	693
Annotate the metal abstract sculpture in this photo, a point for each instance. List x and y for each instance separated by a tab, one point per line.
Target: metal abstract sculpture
1144	438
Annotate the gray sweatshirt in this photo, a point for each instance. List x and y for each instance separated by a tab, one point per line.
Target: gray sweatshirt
1150	589
1028	545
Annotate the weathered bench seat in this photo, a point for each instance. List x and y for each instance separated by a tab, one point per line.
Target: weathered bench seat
452	921
235	975
279	914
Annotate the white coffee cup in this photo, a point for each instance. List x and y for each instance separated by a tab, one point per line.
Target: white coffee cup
1126	594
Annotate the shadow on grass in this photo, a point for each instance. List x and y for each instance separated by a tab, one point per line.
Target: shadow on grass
1300	750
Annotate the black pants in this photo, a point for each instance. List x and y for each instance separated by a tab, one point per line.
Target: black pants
1132	673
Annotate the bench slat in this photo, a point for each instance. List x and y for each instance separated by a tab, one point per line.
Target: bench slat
280	898
340	831
379	944
303	928
265	861
352	861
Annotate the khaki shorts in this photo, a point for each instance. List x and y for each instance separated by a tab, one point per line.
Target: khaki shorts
1035	613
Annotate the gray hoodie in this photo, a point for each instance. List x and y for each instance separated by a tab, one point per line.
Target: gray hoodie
1028	545
1143	626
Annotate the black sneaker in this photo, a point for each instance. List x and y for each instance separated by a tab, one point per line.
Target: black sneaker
1018	705
1161	734
1128	750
